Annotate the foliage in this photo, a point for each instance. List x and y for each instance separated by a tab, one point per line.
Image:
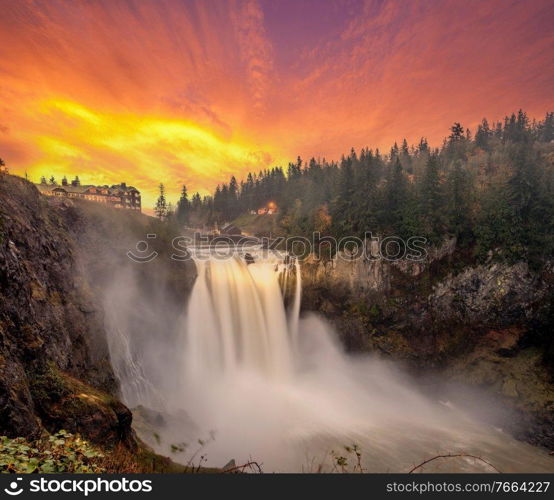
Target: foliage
341	462
161	208
60	452
494	191
348	460
67	453
183	207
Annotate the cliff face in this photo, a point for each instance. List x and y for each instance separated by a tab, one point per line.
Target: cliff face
55	259
485	325
49	324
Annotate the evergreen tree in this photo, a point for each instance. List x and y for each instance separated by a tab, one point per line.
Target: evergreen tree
431	197
396	197
458	201
343	207
457	133
170	214
501	199
423	145
483	134
183	207
365	206
546	128
160	208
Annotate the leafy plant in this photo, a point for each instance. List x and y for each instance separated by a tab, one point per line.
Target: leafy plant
341	464
60	452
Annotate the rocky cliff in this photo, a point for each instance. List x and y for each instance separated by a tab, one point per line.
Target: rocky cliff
55	258
488	325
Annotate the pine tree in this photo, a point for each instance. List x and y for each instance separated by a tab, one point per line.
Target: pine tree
232	201
394	151
196	201
396	197
160	208
343	207
501	199
457	143
546	128
431	196
522	194
483	134
423	145
458	201
457	132
183	207
367	177
170	211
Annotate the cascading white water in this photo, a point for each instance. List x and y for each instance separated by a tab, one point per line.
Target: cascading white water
136	388
280	390
236	321
295	309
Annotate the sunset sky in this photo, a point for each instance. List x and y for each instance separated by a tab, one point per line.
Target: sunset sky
180	91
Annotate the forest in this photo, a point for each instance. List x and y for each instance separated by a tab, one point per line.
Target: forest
492	189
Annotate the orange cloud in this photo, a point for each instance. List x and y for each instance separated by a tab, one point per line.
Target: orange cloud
189	91
142	149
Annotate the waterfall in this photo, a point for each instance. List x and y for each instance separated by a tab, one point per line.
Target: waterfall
277	387
295	310
136	388
236	320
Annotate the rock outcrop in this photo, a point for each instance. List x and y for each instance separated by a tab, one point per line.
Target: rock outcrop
489	325
56	256
46	319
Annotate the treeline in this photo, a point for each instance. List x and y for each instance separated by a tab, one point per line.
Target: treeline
494	190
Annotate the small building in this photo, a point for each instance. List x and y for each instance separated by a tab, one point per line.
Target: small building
269	209
117	196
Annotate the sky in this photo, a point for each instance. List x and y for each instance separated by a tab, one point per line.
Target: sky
192	92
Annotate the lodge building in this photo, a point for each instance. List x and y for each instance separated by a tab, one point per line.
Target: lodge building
117	196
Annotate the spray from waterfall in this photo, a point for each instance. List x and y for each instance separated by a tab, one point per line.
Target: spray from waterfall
295	309
277	387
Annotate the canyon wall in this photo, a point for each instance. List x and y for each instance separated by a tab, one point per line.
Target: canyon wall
56	259
488	325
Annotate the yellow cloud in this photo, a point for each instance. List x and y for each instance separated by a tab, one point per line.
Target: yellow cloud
143	150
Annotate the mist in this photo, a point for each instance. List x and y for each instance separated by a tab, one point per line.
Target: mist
233	367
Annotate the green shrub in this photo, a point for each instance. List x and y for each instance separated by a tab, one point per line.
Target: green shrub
60	452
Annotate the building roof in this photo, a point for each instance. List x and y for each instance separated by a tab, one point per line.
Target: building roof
69	188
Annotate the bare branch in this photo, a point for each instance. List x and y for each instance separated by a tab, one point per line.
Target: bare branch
453	455
255	466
